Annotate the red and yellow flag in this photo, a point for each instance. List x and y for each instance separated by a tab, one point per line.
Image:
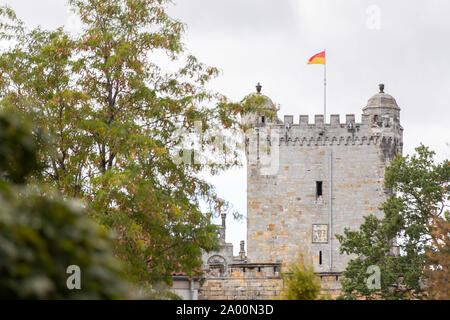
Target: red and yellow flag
318	58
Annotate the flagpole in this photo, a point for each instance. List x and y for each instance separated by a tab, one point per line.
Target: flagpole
325	88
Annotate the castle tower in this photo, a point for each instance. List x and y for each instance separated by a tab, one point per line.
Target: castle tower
321	178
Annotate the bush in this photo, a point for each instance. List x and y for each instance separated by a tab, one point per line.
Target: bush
40	237
300	282
41	234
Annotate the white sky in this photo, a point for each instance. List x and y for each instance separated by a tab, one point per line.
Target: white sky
403	43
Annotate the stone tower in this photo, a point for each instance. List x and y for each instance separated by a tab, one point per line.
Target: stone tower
308	181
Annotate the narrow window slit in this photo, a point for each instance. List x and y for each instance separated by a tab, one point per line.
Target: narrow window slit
319	189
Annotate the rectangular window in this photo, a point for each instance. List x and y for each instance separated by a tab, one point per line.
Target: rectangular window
319	189
320	257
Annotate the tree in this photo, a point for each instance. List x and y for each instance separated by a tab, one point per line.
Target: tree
300	282
118	121
438	267
420	191
43	235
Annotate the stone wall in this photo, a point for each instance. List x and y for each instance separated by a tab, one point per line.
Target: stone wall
258	282
244	282
331	285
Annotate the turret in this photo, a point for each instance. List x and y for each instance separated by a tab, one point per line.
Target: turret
381	110
267	111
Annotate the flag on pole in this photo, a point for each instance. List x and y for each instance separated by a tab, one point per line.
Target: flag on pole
318	58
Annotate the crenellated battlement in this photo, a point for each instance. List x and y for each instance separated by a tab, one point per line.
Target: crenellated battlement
372	130
377	131
319	120
335	120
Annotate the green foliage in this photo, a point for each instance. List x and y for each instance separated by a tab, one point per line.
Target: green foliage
115	119
300	282
40	237
41	234
420	190
17	149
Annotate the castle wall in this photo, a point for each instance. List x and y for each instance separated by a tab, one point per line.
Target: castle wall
257	282
283	209
244	282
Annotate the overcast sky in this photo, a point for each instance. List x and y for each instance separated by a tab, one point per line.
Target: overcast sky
403	43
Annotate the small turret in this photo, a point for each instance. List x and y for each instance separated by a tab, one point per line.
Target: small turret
268	110
381	109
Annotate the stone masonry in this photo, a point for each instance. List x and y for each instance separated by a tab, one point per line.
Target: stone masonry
244	282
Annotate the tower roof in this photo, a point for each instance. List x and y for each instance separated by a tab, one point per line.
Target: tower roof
267	103
382	100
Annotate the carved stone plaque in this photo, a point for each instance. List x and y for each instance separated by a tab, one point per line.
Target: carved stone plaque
216	266
216	260
320	233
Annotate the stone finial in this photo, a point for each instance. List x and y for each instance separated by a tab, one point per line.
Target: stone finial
242	252
223	227
381	100
258	88
224	217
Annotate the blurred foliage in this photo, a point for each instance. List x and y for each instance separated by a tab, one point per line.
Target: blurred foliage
300	282
41	234
18	149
